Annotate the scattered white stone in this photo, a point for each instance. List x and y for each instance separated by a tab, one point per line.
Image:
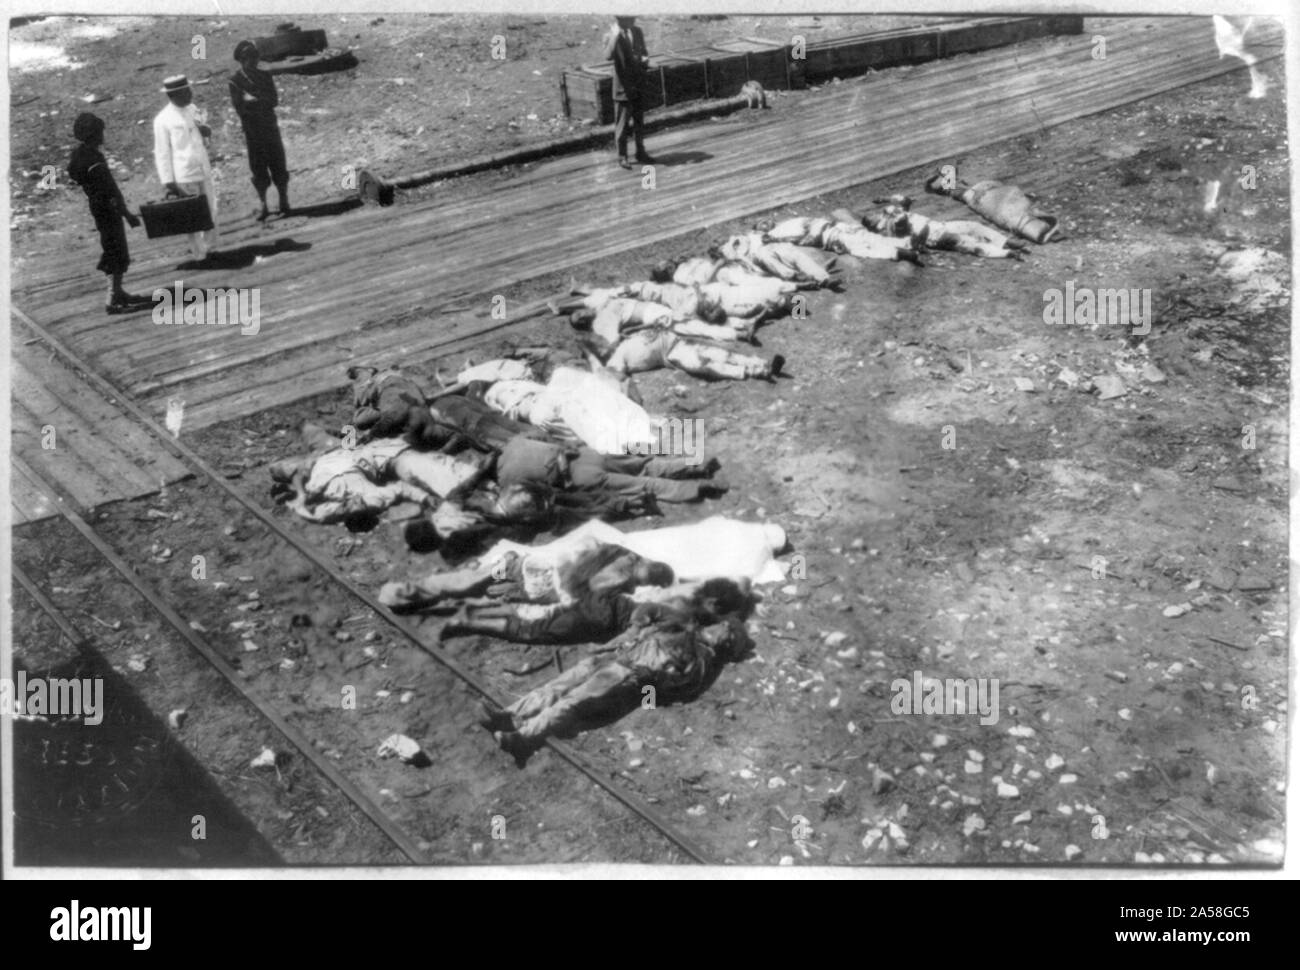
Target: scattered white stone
848	653
1022	731
852	727
776	781
138	662
1177	609
177	718
1065	809
1017	768
400	745
871	838
1068	779
1215	859
250	646
1141	857
969	800
898	837
973	767
1024	818
1125	714
635	763
1033	774
745	773
1072	852
939	740
1269	726
974	755
751	843
928	757
973	824
834	639
695	811
881	781
786	860
1053	762
264	760
1007	791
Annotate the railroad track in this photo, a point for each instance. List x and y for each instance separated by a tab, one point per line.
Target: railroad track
67	508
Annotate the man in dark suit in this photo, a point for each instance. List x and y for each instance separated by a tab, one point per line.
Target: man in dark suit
625	46
253	93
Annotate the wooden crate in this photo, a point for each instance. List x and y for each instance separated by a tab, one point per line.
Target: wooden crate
675	77
766	62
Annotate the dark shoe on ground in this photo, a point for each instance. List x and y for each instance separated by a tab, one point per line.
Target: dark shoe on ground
645	159
264	215
624	163
512	742
116	309
494	718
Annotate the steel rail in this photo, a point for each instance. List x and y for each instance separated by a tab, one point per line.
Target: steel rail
372	811
632	802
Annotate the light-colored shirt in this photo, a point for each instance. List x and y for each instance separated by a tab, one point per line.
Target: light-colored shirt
178	150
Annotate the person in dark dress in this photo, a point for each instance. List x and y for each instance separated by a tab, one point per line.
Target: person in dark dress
89	168
253	93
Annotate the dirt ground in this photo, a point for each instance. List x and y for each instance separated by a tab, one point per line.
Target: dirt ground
1094	518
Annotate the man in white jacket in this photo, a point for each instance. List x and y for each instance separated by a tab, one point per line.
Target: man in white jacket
181	157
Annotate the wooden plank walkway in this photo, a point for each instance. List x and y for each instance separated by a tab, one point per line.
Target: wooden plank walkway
99	453
337	301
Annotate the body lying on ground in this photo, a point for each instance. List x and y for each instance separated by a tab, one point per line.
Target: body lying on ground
333	483
526	577
896	218
587	406
653	348
389	403
675	647
785	261
848	237
1006	206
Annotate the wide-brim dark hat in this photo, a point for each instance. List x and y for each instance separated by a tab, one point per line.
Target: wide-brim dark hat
178	82
244	48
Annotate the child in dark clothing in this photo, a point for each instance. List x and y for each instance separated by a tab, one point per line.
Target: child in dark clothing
89	168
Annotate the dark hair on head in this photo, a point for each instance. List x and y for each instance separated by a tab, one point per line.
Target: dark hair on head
421	536
87	126
582	318
659	574
476	389
662	272
720	598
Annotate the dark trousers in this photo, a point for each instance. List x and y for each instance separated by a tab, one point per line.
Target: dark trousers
628	113
266	158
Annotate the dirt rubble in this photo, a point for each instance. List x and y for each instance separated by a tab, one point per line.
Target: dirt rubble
1093	518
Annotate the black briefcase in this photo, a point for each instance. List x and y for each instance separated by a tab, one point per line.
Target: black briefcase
176	217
